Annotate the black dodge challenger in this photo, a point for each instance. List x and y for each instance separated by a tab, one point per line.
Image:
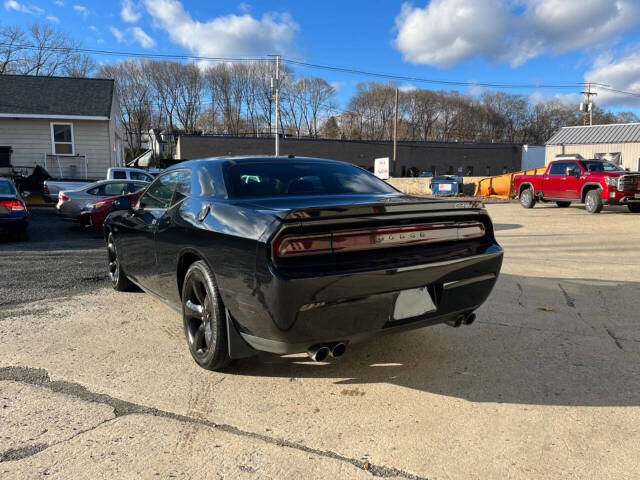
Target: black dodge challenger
289	255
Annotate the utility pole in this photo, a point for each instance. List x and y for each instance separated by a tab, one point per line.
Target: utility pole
395	133
588	105
277	95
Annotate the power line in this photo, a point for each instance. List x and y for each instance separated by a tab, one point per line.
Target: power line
353	71
430	81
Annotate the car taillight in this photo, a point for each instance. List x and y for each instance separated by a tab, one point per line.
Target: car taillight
289	246
62	197
46	190
13	205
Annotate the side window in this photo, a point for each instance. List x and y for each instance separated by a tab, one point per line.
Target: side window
119	175
94	191
133	187
572	166
111	189
159	193
183	186
141	176
558	168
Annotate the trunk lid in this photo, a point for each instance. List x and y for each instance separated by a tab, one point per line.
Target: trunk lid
334	207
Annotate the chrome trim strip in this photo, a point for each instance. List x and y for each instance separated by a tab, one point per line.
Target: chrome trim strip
468	281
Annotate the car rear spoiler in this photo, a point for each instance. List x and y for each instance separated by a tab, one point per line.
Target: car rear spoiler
406	206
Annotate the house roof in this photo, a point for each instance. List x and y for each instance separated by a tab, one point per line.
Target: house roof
617	133
28	95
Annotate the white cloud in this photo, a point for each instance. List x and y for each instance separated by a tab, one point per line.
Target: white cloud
59	3
134	34
227	35
142	38
93	28
53	18
81	9
244	7
337	85
447	32
130	11
621	74
117	33
19	7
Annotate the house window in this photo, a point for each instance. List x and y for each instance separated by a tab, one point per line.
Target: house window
62	139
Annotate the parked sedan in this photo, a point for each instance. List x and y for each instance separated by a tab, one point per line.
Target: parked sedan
93	214
289	255
71	202
14	216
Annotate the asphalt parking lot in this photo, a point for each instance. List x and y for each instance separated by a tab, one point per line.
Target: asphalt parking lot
545	384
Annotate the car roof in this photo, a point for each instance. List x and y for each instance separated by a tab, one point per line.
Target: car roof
253	159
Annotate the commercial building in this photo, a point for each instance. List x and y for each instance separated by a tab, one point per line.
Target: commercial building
470	159
619	143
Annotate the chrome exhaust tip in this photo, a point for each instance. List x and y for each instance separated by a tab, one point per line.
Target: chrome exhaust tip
337	349
318	353
469	319
456	322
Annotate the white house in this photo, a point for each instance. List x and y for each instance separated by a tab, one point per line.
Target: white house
68	125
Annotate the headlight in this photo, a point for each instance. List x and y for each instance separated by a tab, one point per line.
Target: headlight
611	181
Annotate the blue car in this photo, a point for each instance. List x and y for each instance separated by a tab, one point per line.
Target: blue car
14	216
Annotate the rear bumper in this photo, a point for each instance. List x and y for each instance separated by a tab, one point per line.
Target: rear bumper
297	313
13	223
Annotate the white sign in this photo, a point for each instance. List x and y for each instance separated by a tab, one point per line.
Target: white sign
381	168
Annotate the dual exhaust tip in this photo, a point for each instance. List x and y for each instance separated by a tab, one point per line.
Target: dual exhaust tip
319	353
462	319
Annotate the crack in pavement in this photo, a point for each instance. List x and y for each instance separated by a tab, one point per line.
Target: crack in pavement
40	377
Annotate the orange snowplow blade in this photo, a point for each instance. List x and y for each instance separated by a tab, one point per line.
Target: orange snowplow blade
501	186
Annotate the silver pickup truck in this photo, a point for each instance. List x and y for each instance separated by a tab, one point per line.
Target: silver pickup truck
54	186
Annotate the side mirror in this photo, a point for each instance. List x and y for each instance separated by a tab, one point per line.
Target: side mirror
122	203
573	172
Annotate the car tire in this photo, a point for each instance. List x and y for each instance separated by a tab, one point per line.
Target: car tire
118	278
634	207
563	204
593	201
527	199
204	318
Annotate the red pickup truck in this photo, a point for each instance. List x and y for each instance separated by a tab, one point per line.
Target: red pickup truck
592	182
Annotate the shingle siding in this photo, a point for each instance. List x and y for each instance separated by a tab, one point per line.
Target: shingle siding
32	95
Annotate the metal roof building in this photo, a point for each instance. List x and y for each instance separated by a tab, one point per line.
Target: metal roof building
619	143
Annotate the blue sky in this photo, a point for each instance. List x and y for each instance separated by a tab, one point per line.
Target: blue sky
497	41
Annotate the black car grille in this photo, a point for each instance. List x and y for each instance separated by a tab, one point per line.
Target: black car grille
629	182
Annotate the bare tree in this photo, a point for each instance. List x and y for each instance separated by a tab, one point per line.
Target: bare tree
134	90
42	50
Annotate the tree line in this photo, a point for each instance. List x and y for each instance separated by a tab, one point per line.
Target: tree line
238	99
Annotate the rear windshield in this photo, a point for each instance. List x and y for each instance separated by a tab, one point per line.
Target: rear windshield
597	166
6	188
300	178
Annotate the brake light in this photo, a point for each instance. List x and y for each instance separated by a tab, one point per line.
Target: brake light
13	205
46	190
289	246
62	197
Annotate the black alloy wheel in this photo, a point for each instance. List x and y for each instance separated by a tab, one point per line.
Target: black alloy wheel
527	200
119	280
593	201
204	319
